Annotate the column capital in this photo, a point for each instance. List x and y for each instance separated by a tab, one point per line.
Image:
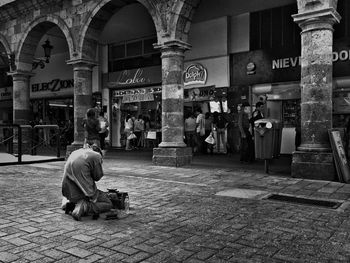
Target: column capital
21	74
317	19
82	64
174	44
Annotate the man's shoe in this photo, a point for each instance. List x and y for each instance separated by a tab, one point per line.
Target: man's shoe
80	209
69	208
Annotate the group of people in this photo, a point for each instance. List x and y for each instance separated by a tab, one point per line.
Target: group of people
84	166
199	126
135	131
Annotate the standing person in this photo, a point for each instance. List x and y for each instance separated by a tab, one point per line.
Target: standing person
200	130
208	125
190	131
220	123
247	147
92	128
139	127
257	113
128	129
103	133
82	169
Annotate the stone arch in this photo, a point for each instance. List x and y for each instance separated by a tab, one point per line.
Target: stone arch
95	22
181	20
32	34
5	44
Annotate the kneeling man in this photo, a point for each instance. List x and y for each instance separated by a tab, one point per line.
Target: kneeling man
82	169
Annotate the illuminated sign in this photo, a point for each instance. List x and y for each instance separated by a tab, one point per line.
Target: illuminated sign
195	74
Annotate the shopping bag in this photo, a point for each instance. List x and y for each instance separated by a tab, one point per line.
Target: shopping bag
132	136
210	139
152	135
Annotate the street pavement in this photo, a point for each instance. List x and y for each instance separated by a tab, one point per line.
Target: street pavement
212	211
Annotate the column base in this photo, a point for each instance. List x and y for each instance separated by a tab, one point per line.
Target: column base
172	156
313	165
71	148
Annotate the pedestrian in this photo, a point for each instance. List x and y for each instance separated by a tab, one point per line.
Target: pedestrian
128	130
92	128
82	169
257	113
247	146
103	133
139	128
208	125
190	131
220	124
200	130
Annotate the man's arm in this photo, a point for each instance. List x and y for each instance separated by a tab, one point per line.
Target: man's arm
97	171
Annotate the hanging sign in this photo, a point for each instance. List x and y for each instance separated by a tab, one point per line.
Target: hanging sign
138	97
6	93
195	74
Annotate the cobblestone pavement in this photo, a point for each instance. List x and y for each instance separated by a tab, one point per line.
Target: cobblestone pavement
178	215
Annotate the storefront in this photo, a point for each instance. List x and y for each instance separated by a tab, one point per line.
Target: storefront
52	102
6	104
273	76
206	83
136	92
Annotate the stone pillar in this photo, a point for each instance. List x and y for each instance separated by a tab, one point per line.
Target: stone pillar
172	151
314	159
82	99
21	108
21	98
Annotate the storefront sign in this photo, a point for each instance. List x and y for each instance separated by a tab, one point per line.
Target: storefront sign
53	86
6	93
281	63
120	93
138	98
195	74
199	94
134	77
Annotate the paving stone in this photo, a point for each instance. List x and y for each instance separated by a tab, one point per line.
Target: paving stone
7	257
78	252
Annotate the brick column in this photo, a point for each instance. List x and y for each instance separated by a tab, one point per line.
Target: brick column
313	159
172	151
21	107
82	98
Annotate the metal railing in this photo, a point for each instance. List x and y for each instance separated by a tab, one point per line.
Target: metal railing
18	139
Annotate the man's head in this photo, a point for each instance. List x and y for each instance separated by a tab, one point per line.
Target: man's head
259	106
97	149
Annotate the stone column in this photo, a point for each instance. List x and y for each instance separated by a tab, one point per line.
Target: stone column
82	98
313	159
21	98
21	107
172	151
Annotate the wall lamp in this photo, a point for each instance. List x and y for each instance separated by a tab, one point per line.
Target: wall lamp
47	53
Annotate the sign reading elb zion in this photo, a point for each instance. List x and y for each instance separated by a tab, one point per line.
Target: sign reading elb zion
195	74
52	88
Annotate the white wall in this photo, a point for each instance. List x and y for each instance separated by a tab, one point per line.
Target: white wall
208	39
239	33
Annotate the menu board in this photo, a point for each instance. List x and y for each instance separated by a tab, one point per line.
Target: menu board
290	112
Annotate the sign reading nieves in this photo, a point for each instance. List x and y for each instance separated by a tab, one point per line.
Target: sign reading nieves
291	62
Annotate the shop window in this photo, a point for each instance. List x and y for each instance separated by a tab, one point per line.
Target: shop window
136	54
148	46
134	49
117	51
